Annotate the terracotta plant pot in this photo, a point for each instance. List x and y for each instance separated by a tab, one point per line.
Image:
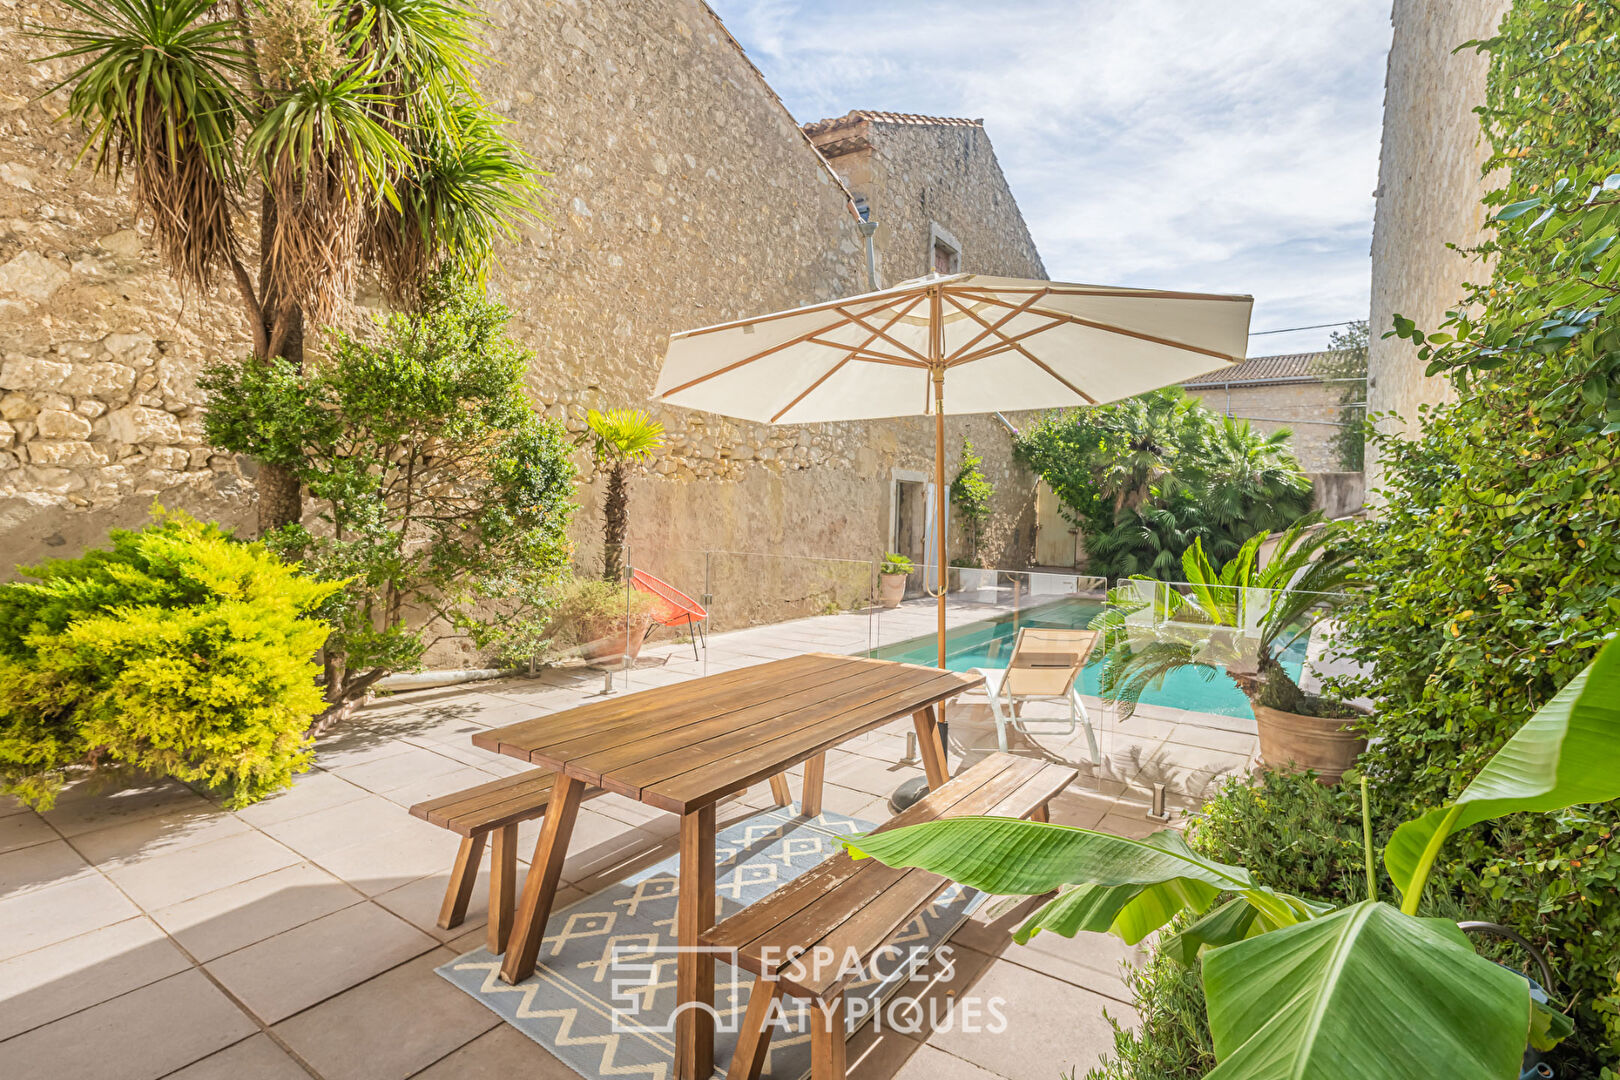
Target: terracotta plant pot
609	644
891	589
1289	740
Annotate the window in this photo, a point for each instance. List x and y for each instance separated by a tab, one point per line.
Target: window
944	253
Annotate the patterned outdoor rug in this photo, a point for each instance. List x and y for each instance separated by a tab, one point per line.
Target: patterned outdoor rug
601	996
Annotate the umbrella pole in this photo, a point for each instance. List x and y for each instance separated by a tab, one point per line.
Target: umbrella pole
940	582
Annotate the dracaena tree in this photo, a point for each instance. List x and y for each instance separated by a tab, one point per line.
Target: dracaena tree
279	147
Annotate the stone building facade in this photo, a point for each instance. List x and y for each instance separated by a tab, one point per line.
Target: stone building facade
1275	392
682	194
1429	187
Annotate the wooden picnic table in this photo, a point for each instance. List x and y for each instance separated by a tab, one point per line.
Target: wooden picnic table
685	747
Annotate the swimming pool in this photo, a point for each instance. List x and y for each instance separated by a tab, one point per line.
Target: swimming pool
988	642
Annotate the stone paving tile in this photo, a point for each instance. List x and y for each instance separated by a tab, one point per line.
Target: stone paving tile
36	919
336	827
441	783
290	972
502	1053
84	806
313	791
1052	1027
418	902
141	1035
410	764
21	828
157	834
239	915
889	1055
49	983
375	862
255	1058
391	1026
30	869
191	871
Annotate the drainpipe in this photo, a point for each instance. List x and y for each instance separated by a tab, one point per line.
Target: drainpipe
868	229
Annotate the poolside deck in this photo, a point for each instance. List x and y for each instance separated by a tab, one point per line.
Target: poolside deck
146	932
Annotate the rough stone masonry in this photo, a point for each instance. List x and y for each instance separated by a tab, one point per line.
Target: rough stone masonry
682	194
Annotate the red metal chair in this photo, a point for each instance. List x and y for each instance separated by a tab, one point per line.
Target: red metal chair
671	607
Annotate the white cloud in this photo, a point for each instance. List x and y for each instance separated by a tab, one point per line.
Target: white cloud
1225	146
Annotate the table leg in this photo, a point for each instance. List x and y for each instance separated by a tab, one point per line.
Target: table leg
694	973
540	887
930	746
815	773
780	790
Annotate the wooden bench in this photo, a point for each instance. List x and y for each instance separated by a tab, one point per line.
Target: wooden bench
853	907
497	807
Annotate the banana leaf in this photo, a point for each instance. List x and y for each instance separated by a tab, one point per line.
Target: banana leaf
1568	753
1366	993
1129	887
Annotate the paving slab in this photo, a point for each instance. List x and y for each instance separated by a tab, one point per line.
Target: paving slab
224	920
141	1035
282	975
49	983
39	866
391	1026
174	876
254	1058
33	920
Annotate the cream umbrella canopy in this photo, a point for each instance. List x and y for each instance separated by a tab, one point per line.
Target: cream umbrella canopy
1001	344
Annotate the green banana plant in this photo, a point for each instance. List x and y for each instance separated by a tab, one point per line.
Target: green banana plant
1296	989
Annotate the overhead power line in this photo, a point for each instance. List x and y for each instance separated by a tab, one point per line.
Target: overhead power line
1291	329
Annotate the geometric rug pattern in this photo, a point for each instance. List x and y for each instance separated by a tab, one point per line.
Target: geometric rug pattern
603	990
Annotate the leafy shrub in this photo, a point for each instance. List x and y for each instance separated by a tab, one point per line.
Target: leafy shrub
971	492
178	651
589	609
444	498
895	563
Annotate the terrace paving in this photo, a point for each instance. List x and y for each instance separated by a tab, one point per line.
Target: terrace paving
147	932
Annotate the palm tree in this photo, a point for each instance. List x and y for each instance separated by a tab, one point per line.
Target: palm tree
619	438
357	124
1251	480
1215	625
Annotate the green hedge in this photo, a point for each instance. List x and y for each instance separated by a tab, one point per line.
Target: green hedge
179	651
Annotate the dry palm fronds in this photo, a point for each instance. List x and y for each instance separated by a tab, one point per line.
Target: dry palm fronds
158	97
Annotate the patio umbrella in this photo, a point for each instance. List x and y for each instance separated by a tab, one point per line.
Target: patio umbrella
1002	344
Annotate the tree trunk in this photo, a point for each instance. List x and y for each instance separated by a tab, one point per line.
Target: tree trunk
280	495
616	512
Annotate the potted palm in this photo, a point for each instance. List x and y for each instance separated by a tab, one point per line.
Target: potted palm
892	574
1362	990
1239	621
619	439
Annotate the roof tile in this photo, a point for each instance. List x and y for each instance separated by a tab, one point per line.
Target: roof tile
1285	367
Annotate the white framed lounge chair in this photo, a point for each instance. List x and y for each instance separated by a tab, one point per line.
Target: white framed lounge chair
1045	665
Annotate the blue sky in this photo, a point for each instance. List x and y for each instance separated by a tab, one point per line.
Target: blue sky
1229	146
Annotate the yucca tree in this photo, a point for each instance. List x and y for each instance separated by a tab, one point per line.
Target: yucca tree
619	438
353	127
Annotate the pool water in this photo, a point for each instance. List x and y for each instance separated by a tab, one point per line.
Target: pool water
988	643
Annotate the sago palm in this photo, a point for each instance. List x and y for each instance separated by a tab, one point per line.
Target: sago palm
619	438
356	125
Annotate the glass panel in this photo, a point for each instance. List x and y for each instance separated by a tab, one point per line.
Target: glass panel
1187	656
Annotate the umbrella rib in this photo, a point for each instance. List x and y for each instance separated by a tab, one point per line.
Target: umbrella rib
855	353
1006	343
826	305
880	332
1109	329
866	354
1031	357
802	338
1003	321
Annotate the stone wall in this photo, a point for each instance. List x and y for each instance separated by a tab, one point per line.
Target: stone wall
1429	188
1309	409
918	175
